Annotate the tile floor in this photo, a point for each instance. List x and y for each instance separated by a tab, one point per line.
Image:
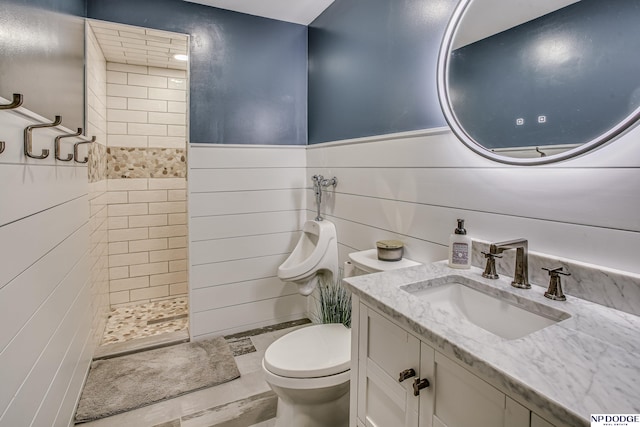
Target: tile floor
201	408
144	320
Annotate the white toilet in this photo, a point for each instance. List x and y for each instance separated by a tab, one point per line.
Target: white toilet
309	368
309	371
316	253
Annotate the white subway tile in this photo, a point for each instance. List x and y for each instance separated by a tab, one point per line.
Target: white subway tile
147	129
116	197
167	142
118	222
148	196
128	91
148	245
147	105
127	284
117	128
168	118
134	47
128	234
177	130
127	116
138	69
167	207
129	209
167	72
165	47
147	220
148	293
128	259
99	30
131	141
167	231
177	242
167	183
168	278
118	273
116	103
118	297
117	77
130	184
176	107
116	248
147	81
178	265
178	288
148	269
175	83
177	195
166	94
177	219
168	255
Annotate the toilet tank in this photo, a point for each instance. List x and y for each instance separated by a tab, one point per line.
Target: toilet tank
366	262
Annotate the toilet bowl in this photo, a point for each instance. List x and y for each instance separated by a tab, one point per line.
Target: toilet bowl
309	369
315	253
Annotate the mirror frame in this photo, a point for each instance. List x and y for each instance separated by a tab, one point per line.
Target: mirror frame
445	103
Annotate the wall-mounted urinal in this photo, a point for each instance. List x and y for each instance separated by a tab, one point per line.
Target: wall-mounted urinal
316	253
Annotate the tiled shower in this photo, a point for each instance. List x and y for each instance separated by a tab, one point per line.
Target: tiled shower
138	106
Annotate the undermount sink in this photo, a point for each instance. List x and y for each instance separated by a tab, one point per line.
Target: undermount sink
490	312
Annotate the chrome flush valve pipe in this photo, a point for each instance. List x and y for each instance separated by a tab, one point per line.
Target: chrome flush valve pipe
319	181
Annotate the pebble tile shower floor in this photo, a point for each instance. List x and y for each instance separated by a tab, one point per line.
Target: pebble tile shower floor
145	320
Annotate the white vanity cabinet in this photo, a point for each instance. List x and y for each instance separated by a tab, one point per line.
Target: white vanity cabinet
455	397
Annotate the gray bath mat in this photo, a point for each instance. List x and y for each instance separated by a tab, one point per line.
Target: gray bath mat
129	382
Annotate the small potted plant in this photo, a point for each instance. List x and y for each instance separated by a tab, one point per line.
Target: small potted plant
334	303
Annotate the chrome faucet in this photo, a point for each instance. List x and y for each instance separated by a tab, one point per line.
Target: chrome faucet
521	274
320	181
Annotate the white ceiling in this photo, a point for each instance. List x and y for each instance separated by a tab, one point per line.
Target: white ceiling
297	11
126	44
484	18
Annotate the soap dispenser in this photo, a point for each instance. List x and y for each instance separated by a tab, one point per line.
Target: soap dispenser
460	247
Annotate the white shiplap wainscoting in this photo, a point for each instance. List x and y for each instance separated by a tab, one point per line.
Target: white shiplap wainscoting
246	209
46	297
412	186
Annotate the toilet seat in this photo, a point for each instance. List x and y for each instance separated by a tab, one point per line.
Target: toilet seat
305	383
311	352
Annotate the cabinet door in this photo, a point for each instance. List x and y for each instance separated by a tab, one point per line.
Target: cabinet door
537	421
385	350
462	399
516	415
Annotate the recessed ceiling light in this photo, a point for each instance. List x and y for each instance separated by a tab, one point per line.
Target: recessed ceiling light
181	57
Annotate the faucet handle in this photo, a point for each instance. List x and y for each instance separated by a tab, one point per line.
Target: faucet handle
490	268
554	272
555	286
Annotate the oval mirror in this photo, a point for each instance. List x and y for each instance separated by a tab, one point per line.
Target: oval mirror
532	82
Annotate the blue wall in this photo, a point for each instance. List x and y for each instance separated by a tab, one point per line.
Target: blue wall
581	69
42	56
372	67
248	81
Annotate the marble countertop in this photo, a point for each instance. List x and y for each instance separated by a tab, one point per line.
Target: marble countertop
586	364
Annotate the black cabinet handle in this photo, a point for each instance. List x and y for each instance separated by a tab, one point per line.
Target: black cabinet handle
419	384
406	374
